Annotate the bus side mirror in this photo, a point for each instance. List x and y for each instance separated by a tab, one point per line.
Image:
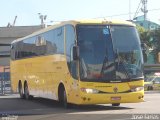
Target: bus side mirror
75	52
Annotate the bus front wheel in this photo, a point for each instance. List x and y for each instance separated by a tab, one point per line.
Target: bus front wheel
62	96
65	104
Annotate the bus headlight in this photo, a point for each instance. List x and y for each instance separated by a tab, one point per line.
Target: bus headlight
89	90
136	89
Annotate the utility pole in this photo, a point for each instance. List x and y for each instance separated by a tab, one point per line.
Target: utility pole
129	9
144	9
42	18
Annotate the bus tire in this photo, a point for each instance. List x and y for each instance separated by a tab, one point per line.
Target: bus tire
65	103
116	104
26	92
20	90
62	96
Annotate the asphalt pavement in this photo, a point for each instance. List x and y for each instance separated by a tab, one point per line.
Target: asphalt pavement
14	108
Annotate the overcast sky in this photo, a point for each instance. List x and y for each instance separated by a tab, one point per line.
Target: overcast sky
59	10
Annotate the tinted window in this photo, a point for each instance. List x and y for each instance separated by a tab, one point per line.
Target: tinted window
50	42
29	47
51	47
70	40
54	41
59	40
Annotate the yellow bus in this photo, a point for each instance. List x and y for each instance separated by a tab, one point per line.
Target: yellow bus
80	62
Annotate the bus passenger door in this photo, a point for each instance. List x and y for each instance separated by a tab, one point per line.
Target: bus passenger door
73	82
72	76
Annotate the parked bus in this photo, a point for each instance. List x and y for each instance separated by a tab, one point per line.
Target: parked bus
80	62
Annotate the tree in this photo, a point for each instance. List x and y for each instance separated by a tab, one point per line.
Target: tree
155	34
151	38
145	36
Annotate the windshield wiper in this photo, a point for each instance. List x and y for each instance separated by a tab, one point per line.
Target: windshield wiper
108	66
103	65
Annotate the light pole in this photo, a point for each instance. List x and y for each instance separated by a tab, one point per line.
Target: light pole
129	9
42	18
144	9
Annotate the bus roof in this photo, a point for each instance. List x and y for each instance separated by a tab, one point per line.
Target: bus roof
75	22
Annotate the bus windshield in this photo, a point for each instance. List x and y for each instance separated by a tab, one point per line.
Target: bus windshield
109	53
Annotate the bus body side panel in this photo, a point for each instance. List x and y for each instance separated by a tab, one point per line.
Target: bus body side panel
17	74
44	75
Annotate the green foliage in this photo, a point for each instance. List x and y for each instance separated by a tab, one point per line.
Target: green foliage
151	38
145	35
156	41
145	38
156	38
140	28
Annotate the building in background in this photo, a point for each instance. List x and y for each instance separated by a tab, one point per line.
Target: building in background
148	25
7	35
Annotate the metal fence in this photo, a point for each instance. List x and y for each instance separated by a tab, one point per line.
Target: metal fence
5	83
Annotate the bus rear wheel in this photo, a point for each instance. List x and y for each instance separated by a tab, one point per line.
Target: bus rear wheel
116	104
26	92
20	90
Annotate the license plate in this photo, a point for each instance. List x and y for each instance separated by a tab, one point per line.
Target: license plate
115	98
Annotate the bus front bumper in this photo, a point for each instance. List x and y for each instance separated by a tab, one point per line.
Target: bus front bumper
132	97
